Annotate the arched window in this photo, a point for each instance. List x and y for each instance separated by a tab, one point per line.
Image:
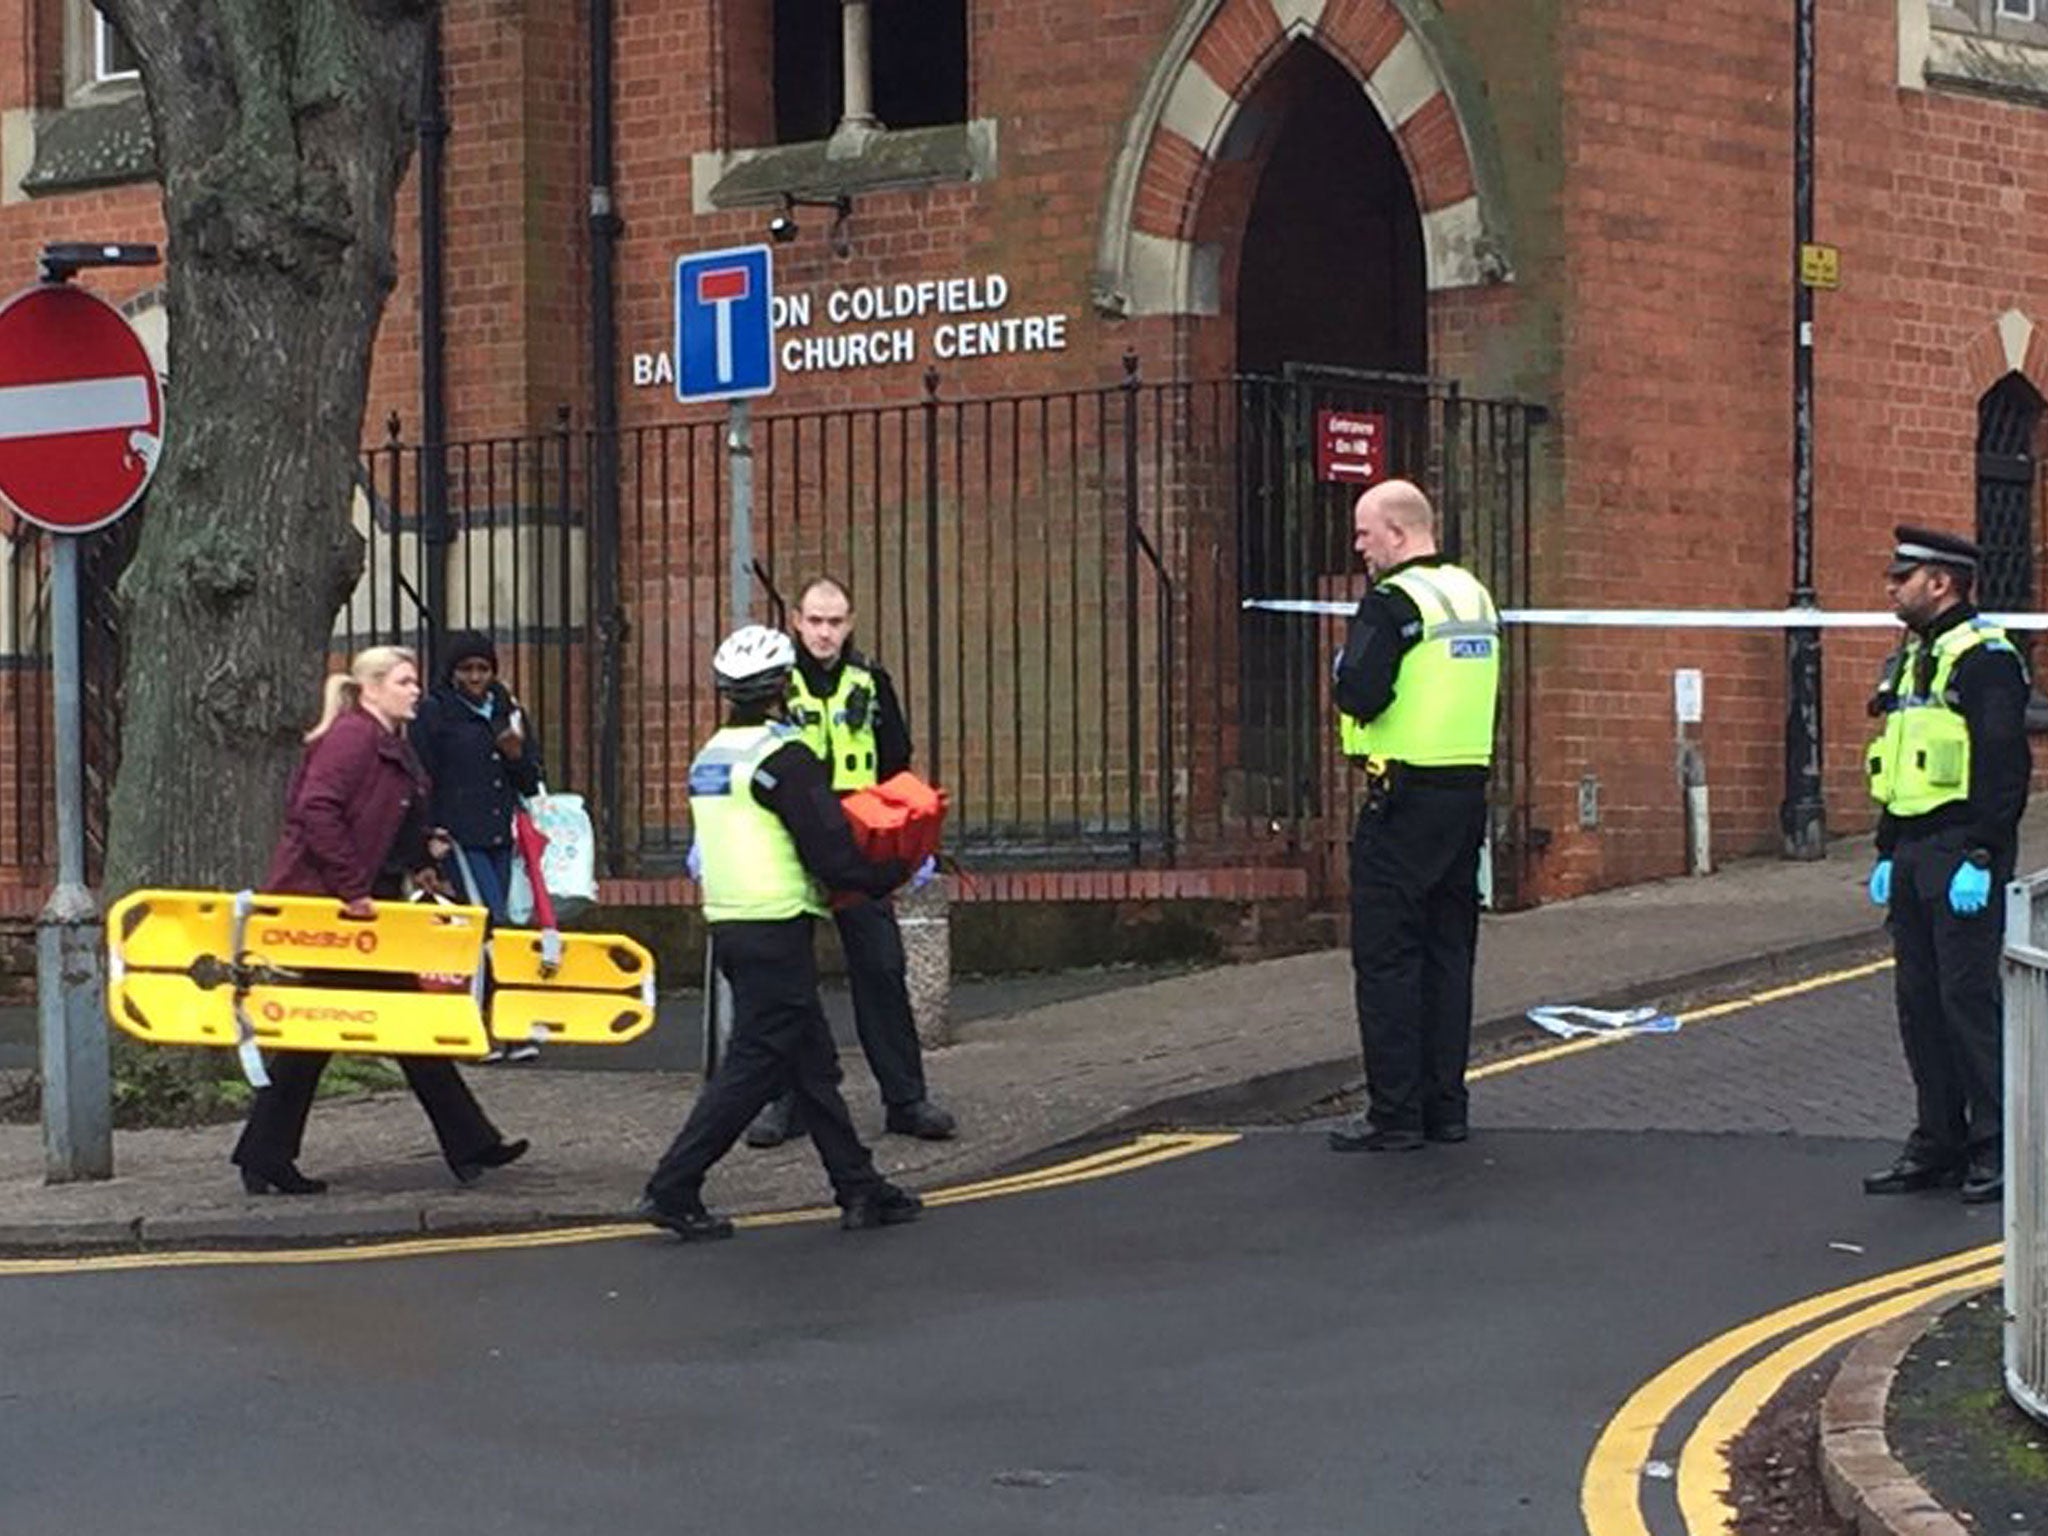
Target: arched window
2007	419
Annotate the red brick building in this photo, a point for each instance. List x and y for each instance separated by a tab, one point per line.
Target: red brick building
1586	207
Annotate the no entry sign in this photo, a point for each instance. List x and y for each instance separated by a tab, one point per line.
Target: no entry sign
81	412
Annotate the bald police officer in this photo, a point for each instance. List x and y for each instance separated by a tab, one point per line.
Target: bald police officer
1950	768
1415	688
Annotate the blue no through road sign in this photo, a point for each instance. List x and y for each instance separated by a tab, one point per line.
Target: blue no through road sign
725	329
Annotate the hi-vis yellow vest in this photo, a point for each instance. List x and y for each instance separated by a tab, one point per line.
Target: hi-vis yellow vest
1920	761
1442	711
751	869
848	750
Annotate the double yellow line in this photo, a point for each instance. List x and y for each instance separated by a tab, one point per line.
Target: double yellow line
1125	1157
1610	1495
1611	1491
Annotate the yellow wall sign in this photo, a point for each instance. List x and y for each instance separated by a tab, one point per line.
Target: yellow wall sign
1820	266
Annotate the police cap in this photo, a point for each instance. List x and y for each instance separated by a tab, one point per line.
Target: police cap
1928	546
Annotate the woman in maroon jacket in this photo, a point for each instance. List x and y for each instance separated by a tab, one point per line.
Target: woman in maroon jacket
355	827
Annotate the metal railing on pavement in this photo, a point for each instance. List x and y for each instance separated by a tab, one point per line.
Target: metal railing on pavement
2026	1143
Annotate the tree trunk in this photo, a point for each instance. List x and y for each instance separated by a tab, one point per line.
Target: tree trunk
282	130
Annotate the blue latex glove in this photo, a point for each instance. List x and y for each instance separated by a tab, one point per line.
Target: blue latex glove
694	861
1969	890
1881	884
923	875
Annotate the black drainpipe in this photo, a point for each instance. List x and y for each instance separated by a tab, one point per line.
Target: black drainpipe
435	531
609	622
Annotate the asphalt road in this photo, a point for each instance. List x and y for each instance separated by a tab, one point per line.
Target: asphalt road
1261	1338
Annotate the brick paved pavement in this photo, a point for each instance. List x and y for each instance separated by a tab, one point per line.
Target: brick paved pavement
1826	1063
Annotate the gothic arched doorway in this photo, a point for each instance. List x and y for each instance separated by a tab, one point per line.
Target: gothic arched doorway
1331	310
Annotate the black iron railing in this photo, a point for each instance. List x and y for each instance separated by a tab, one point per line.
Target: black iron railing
1055	580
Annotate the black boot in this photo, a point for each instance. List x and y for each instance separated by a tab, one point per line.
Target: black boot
776	1123
691	1223
920	1118
1913	1171
883	1206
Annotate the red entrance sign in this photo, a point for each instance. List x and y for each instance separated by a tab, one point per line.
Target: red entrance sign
1351	447
81	412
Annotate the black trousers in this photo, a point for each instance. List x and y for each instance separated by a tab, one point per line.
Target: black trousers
1951	999
779	1036
277	1116
881	998
1414	930
875	966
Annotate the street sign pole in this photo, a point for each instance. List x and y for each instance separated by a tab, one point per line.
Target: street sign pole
725	350
81	425
78	1130
739	447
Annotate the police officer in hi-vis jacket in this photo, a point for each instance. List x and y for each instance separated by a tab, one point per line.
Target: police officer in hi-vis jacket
1415	688
770	841
847	710
1949	767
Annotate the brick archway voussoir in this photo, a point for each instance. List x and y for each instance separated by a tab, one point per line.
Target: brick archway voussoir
1148	263
2013	343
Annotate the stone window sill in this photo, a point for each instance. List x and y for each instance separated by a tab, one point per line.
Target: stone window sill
845	165
96	144
1984	66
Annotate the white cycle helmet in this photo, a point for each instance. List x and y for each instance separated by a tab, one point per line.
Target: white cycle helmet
753	663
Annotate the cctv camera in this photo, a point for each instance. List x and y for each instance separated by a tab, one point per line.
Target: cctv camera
782	229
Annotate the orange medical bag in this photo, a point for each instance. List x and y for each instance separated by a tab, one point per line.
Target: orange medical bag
900	818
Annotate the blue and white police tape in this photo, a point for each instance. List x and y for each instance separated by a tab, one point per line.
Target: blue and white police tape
1569	1019
1660	618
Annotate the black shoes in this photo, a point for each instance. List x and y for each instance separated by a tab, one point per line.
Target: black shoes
1984	1182
1911	1173
284	1179
1450	1131
779	1121
776	1123
1355	1137
472	1169
691	1223
883	1206
920	1118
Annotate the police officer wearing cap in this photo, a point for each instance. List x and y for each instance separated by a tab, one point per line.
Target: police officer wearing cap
770	840
847	710
1415	688
1949	767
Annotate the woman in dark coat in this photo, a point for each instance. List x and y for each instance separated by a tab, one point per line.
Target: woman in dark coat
355	827
472	738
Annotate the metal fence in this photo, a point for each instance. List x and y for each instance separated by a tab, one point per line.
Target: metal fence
2026	1143
1054	580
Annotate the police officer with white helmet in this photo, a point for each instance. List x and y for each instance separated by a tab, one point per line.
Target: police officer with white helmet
772	840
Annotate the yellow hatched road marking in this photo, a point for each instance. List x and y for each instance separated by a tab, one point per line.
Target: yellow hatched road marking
1140	1152
1703	1471
1610	1492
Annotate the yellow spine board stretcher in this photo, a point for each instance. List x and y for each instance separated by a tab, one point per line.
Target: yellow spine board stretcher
293	973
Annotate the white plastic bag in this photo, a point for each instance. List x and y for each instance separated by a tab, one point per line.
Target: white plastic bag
568	867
